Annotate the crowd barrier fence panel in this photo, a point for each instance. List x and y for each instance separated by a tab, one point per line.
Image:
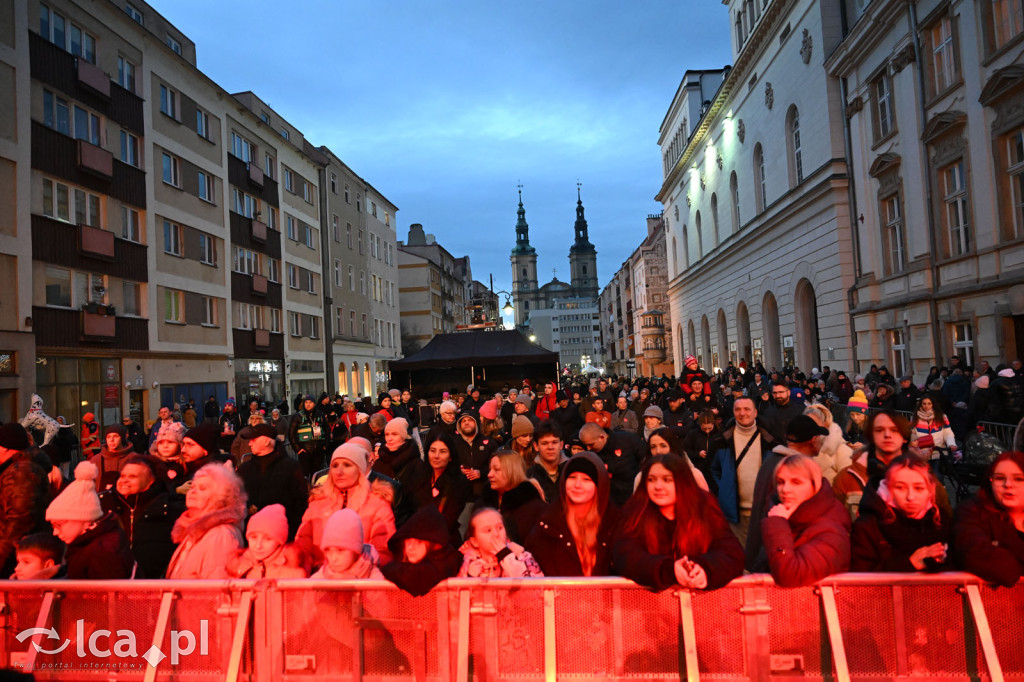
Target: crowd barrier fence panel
846	628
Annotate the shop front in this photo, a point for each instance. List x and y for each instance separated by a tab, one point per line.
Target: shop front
73	386
259	379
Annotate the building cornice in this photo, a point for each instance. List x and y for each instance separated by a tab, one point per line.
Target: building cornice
873	27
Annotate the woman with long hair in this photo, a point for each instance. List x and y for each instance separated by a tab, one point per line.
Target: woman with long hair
346	486
806	535
574	536
988	531
667	440
932	430
449	490
673	533
900	528
519	498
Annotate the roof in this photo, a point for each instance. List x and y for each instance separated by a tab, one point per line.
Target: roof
467	349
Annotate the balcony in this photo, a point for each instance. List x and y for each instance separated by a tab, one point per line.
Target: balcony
259	285
92	76
95	159
245	344
261	338
243	290
96	327
255	174
87	248
240	175
258	230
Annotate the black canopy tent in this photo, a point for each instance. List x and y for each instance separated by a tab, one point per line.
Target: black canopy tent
488	359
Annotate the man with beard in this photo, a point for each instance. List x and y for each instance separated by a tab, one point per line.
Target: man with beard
781	411
677	414
473	452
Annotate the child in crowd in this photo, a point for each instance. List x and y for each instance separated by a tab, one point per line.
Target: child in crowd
346	556
599	415
489	554
40	557
267	555
97	547
424	556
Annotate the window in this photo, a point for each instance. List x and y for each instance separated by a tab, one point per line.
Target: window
209	311
272	218
174	306
347	199
307	192
168	102
373	245
135	14
284	133
56	113
760	180
955	214
130	229
241	148
58	287
172	238
373	208
245	261
1015	175
388	255
943	58
171	171
87	126
348	234
714	221
292	227
206	187
307	236
360	242
310	282
129	149
294	324
881	92
734	195
359	202
1007	21
366	333
339	322
125	74
963	343
892	215
289	180
270	166
66	35
352	323
362	282
351	279
337	272
898	344
275	320
335	227
131	298
248	205
207	249
796	152
173	44
202	124
314	327
293	277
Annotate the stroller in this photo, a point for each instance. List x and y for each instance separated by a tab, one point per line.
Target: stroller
968	473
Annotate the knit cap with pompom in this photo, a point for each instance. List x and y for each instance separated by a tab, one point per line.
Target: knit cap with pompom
79	501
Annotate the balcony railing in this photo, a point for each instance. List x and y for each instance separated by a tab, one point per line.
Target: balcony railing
259	285
255	174
261	338
79	329
93	249
92	76
258	230
948	627
95	159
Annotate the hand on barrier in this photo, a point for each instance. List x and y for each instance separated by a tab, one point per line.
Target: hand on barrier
690	574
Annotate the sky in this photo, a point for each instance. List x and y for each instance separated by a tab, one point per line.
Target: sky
446	106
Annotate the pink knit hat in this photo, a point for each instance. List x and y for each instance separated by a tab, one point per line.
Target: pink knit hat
271	521
343	530
489	410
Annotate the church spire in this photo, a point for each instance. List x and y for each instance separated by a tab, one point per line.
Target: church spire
522	229
582	242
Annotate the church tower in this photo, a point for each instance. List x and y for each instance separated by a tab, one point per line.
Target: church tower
524	267
583	256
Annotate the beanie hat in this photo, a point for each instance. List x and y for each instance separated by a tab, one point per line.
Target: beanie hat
583	465
264	430
521	426
858	403
205	436
175	431
797	394
689	359
353	453
119	430
88	417
802	429
489	410
13	436
1007	373
447	406
524	399
78	501
395	394
982	381
398	425
343	530
654	411
270	520
562	395
364	443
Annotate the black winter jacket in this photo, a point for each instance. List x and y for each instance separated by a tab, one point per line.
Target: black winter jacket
276	479
883	537
986	543
147	519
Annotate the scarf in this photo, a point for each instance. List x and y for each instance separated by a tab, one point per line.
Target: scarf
926	415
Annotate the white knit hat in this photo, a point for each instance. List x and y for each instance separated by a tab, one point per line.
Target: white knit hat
399	425
343	530
354	454
79	501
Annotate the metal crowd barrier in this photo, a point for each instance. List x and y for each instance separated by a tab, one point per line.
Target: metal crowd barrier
854	626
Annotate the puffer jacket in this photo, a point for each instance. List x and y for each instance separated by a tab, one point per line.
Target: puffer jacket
884	537
207	542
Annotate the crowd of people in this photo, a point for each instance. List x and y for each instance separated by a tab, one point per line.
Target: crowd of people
674	481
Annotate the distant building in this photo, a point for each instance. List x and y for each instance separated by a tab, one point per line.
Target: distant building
431	290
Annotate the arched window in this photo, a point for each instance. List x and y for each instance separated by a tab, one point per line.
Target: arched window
686	247
760	181
673	259
714	219
734	195
796	161
700	238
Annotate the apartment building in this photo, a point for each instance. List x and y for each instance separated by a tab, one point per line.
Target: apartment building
431	291
166	236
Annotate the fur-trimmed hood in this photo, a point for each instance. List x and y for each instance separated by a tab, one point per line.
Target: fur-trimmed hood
192	525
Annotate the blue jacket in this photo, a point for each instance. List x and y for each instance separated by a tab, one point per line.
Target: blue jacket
723	470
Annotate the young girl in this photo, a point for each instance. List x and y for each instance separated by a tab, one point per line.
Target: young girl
574	536
267	555
931	430
423	555
346	556
97	548
806	536
488	553
900	529
674	533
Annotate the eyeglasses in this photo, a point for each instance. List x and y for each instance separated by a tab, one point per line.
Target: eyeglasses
1003	480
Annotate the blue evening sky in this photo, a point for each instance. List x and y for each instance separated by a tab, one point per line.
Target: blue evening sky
446	106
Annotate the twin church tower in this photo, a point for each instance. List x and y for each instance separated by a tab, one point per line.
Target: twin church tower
526	294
